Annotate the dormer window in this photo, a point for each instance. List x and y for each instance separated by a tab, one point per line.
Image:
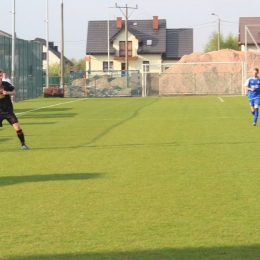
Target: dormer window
149	42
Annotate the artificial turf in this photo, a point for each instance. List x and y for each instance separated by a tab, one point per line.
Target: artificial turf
131	178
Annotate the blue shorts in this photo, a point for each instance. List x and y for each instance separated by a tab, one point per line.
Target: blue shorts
255	101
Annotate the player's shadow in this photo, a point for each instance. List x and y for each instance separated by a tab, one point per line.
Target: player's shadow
40	123
2	140
247	252
42	110
13	180
51	115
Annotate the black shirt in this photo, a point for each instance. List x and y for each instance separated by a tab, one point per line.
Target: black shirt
6	104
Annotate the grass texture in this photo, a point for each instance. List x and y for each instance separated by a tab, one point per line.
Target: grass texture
131	178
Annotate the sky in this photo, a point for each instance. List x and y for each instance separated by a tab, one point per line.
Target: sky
30	18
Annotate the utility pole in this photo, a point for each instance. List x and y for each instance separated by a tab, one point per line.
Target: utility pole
126	32
218	30
62	51
218	33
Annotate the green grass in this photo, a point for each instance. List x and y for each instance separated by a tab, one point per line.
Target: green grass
131	178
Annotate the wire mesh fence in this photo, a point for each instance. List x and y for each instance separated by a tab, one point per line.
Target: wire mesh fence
103	84
206	78
28	66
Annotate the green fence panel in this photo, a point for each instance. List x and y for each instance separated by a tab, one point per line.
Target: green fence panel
28	66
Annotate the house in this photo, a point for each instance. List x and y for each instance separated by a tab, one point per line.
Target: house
54	54
149	42
252	26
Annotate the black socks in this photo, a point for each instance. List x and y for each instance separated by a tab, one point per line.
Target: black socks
21	136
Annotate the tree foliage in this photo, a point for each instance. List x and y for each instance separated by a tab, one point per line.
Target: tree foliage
230	42
78	65
54	69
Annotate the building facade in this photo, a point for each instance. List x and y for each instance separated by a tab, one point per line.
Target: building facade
148	42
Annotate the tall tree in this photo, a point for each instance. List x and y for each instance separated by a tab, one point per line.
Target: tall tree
230	42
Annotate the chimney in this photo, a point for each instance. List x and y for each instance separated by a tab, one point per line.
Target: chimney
155	23
119	22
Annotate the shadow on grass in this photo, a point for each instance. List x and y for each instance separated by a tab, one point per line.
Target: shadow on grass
43	109
135	113
207	253
63	115
13	180
137	145
2	140
40	123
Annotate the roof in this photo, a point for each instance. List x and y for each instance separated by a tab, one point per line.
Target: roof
178	43
53	49
97	42
253	25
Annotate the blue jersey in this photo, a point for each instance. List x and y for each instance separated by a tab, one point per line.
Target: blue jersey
253	83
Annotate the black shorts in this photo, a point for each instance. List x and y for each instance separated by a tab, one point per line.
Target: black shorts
9	116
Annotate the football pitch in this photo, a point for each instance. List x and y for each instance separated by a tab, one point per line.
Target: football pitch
131	178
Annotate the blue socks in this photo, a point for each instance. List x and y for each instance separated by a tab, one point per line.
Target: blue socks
255	115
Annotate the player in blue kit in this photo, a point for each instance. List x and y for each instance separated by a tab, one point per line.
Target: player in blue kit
252	85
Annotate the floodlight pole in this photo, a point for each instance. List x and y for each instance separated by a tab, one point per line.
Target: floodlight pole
13	48
47	45
62	50
13	45
108	42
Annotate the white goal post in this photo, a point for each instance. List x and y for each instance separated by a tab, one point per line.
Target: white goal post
247	31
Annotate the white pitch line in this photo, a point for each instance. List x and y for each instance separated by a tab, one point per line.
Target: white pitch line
220	99
32	110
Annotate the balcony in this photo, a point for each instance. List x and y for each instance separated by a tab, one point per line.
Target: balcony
122	58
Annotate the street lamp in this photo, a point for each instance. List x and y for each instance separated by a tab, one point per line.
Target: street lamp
218	30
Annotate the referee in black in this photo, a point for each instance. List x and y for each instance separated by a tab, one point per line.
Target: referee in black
6	109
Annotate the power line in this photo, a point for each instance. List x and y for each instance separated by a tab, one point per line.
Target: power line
200	24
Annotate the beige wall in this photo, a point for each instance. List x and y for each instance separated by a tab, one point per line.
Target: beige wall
52	58
131	38
169	61
96	62
250	47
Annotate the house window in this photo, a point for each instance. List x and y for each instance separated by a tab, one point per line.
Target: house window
122	49
44	56
147	66
105	67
